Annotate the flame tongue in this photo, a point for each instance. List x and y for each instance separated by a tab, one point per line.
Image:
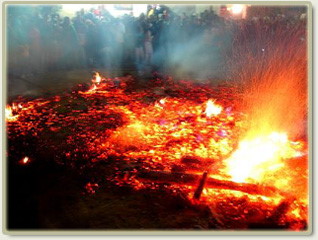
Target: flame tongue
98	78
212	108
258	159
10	113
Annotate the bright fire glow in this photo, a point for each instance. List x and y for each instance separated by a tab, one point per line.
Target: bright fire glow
25	160
98	78
187	134
162	101
212	108
255	159
10	116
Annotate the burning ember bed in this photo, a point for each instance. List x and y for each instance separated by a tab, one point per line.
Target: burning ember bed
179	142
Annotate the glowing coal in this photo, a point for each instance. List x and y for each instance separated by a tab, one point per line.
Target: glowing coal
180	136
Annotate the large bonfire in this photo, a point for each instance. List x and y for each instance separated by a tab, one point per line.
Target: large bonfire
182	137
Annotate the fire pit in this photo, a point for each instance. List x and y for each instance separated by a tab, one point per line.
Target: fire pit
185	139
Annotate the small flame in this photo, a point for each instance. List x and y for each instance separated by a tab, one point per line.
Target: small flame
212	108
162	101
98	78
9	111
96	81
24	160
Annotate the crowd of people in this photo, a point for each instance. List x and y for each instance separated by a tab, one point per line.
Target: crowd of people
50	42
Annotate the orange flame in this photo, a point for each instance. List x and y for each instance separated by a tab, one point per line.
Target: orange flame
162	101
98	78
96	84
24	160
260	158
212	108
174	134
9	113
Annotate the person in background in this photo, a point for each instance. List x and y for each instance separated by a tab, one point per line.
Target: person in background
106	51
118	33
91	38
148	47
70	45
139	48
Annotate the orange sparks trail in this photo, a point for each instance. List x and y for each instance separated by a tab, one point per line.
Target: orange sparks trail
193	134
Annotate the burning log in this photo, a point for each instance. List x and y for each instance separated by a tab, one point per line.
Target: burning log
193	179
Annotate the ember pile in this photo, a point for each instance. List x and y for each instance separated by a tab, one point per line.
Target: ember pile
182	136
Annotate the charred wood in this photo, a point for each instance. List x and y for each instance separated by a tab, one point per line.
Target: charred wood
193	179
